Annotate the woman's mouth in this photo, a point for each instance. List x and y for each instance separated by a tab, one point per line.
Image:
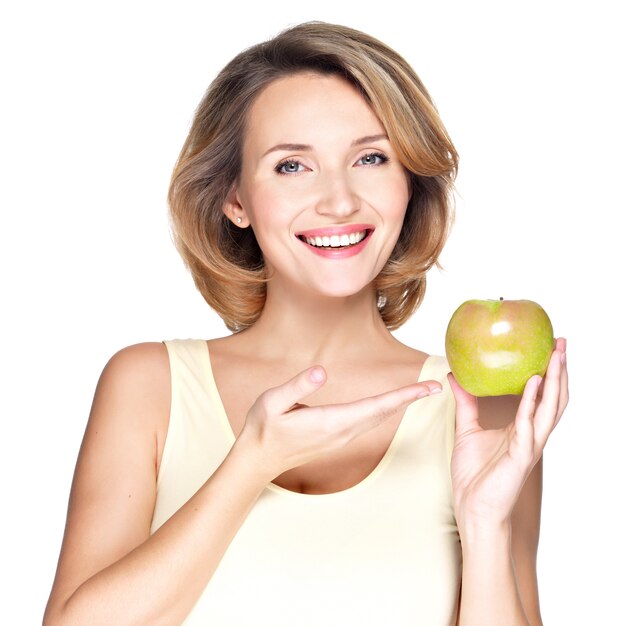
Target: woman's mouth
336	241
337	246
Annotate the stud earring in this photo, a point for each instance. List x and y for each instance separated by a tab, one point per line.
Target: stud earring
239	220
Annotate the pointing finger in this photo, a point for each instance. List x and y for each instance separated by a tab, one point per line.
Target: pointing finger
362	415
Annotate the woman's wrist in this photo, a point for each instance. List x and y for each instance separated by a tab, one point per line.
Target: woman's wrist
485	543
249	457
479	529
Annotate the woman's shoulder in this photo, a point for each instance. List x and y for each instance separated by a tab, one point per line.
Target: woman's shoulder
150	362
138	376
139	362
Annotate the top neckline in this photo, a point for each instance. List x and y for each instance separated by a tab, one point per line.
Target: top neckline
318	497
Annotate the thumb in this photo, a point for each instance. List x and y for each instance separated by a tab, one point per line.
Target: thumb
466	407
281	399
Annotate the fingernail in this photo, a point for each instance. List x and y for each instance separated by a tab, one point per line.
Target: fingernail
316	375
563	358
435	390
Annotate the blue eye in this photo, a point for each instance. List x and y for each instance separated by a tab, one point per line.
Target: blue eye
373	158
289	167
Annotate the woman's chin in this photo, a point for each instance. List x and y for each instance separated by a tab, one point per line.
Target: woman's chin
332	285
338	291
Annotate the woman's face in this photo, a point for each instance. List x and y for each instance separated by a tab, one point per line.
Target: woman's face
317	165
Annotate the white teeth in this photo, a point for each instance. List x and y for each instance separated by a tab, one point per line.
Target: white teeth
336	241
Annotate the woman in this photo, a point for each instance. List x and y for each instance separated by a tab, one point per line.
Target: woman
308	468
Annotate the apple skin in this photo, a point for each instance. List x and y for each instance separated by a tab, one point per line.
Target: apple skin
494	347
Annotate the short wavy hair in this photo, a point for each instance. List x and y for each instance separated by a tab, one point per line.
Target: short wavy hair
225	261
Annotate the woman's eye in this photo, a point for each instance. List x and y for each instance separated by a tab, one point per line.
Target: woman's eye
289	167
374	158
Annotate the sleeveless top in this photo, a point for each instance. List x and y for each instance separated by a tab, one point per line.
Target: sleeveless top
385	551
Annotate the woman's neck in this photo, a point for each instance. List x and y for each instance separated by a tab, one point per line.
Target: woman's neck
310	328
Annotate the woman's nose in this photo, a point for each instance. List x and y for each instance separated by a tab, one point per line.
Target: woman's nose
337	197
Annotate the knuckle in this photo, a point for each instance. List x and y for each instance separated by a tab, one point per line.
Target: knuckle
264	402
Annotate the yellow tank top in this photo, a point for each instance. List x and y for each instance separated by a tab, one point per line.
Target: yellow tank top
385	551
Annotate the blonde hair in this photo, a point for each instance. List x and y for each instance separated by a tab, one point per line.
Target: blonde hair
225	261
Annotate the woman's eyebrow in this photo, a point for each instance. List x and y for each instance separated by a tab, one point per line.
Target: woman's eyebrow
293	147
369	139
304	147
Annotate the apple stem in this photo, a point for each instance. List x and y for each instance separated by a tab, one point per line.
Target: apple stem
501	299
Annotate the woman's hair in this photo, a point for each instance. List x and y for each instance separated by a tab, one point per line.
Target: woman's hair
225	261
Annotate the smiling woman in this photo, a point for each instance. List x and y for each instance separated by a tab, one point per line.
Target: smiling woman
308	468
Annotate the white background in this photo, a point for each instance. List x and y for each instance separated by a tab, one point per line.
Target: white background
97	101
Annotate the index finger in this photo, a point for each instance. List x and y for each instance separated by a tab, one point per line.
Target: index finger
365	414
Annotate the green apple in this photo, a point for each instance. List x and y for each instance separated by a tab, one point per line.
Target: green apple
494	346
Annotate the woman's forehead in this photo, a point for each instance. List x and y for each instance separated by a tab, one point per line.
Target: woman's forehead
309	108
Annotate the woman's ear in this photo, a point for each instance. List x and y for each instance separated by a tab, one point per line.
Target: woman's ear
234	211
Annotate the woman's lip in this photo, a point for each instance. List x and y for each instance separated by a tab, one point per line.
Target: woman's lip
335	230
339	253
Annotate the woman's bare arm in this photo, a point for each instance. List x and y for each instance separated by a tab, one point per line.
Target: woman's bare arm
497	484
519	540
110	570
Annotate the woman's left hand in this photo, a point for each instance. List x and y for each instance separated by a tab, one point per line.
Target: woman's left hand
490	467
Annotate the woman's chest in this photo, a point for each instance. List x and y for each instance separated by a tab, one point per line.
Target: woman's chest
333	471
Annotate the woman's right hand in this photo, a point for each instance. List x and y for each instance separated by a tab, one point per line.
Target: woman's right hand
282	433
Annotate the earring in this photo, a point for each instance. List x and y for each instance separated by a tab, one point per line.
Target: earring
239	220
